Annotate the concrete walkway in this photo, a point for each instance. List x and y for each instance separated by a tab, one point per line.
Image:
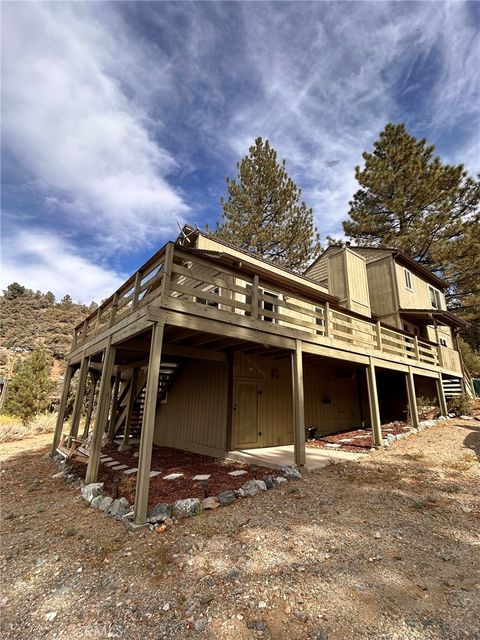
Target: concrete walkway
276	457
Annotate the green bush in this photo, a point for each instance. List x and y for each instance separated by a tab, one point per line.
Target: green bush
458	405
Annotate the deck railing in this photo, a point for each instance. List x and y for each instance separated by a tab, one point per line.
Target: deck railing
201	284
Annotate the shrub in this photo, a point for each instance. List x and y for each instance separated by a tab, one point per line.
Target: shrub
458	405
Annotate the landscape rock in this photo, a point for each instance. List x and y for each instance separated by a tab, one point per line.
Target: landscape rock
291	473
465	417
105	503
261	485
160	513
95	503
280	480
119	508
211	503
200	625
269	482
226	497
91	491
186	508
249	488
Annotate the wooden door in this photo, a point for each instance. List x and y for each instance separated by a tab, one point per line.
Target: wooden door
245	414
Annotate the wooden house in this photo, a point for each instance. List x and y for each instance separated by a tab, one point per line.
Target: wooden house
210	349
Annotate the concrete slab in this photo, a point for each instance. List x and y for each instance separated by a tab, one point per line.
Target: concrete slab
276	457
154	473
107	459
120	467
173	476
237	472
130	471
206	476
113	464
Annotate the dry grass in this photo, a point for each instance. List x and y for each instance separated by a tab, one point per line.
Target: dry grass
11	427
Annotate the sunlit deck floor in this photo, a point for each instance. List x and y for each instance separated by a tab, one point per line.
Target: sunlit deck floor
276	457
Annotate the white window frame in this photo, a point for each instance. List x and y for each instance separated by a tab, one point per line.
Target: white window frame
408	279
435	298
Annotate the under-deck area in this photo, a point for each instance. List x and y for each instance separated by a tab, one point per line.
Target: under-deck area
193	355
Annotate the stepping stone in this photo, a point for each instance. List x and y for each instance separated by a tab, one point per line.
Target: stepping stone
113	464
129	471
237	472
120	467
107	459
333	446
204	477
152	474
104	455
345	440
173	476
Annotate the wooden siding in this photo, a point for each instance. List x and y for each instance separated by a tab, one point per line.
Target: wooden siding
275	408
419	298
195	414
382	293
371	255
337	282
331	397
358	298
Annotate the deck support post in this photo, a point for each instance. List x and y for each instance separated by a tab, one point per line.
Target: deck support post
298	405
412	398
91	400
63	405
373	404
132	392
442	401
148	424
101	416
77	407
113	415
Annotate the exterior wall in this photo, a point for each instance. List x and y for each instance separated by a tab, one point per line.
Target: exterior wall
337	281
194	417
443	332
331	397
381	286
358	297
419	298
275	406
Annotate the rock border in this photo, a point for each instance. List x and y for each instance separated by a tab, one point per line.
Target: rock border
163	515
422	425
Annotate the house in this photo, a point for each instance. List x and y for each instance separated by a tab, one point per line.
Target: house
210	349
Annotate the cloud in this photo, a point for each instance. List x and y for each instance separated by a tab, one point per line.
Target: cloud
46	262
75	116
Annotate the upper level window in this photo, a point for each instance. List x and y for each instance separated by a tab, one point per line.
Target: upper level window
434	297
268	305
408	279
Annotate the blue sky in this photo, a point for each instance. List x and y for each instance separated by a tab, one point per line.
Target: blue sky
120	120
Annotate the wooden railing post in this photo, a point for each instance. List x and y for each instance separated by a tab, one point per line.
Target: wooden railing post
167	273
113	416
254	312
415	348
113	310
136	289
85	331
326	320
379	336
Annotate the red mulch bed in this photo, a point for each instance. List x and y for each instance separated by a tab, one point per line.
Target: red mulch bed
168	460
361	440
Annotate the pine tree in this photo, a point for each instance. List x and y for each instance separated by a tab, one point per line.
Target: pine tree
411	201
28	391
264	213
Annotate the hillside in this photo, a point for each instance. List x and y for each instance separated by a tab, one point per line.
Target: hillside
30	318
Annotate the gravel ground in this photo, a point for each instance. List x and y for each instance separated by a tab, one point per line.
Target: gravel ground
383	548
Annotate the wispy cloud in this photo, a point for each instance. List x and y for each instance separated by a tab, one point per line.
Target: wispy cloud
47	262
75	118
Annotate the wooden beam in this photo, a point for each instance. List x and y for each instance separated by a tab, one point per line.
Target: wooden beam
131	397
441	396
148	425
373	404
412	398
63	405
115	399
229	431
191	352
91	398
255	292
298	405
101	416
79	397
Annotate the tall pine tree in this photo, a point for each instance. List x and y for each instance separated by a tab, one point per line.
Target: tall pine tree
264	213
28	391
411	201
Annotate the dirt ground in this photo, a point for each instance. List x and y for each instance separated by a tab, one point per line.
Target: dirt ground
383	548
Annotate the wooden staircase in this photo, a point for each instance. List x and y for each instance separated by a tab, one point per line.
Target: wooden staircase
168	373
452	387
